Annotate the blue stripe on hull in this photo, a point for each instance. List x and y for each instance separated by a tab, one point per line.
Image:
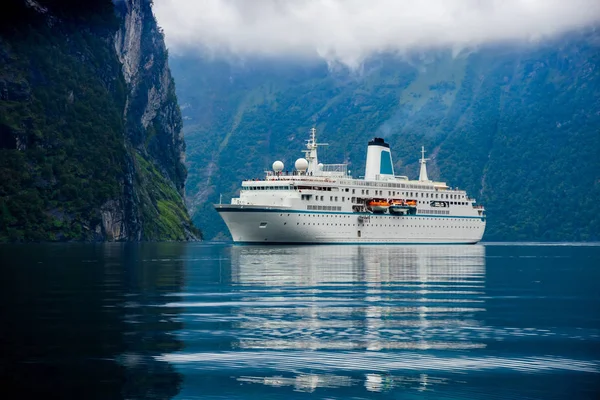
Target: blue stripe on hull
352	243
281	211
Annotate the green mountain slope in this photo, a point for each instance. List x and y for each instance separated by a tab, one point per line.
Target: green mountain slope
518	127
85	152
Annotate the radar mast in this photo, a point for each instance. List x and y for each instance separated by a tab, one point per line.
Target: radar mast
311	152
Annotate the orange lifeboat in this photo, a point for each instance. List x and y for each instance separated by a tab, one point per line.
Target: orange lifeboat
378	206
403	207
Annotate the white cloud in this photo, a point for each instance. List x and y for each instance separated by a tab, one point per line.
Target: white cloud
350	30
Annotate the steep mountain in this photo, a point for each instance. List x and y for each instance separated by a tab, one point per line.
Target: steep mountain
518	126
91	146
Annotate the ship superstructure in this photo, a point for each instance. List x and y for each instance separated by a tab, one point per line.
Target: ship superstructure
322	203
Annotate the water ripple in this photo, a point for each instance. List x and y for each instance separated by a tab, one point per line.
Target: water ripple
379	362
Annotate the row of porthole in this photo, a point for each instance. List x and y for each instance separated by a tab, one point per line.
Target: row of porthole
381	217
392	226
317	215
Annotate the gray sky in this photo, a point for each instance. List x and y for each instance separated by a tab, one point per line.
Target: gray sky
348	31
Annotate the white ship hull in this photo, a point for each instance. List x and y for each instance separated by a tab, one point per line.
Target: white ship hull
260	224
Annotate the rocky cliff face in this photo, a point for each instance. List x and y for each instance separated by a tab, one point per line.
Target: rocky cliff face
90	128
153	121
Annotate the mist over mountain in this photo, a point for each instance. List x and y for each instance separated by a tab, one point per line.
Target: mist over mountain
351	31
517	125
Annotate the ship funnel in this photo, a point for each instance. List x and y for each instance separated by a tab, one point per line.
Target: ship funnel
379	160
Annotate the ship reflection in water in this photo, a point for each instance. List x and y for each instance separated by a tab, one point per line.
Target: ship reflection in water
344	321
369	298
359	299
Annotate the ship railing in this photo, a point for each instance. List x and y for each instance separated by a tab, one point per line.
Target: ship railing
296	178
334	169
329	170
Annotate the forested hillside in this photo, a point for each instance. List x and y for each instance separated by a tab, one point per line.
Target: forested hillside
90	130
518	126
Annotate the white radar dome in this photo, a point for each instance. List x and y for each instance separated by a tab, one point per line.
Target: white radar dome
277	166
320	166
301	164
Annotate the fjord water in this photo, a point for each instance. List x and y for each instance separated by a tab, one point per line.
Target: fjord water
186	321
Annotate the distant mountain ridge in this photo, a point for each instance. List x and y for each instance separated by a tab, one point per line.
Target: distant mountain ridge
91	146
518	127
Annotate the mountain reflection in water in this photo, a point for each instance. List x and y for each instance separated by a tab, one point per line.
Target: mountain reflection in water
80	320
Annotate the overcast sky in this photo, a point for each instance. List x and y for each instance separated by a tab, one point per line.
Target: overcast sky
347	31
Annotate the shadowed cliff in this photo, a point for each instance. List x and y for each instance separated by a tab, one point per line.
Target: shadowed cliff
90	130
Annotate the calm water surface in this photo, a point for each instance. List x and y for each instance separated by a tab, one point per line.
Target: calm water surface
187	321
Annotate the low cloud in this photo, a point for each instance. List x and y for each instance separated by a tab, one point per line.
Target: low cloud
348	31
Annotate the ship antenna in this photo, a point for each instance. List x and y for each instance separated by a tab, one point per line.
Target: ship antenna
423	173
311	152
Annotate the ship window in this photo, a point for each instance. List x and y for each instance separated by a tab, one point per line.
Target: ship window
336	198
343	198
352	191
263	225
322	197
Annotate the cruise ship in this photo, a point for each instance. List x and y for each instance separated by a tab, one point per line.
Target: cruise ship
319	203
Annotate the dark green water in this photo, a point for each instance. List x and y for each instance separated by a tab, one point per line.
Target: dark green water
186	321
